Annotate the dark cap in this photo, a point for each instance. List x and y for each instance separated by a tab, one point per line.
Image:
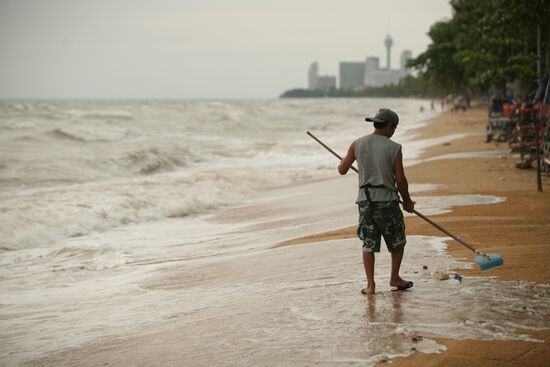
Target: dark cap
384	115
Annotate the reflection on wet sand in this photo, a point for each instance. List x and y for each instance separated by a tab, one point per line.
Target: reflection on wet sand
388	313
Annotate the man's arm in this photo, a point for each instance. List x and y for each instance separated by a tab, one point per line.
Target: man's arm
347	161
402	183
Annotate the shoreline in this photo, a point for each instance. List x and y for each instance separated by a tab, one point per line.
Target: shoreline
229	300
517	228
485	175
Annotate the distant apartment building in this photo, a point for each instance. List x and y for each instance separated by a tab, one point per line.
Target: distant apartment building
326	82
405	57
316	81
312	76
376	76
352	75
381	77
371	64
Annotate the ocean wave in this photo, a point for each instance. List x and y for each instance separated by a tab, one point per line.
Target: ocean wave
61	134
21	106
156	167
218	104
106	114
232	116
151	160
26	138
41	218
89	134
86	257
16	124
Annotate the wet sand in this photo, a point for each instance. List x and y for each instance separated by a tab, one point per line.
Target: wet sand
255	288
518	229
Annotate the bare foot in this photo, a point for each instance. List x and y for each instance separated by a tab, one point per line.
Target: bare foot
368	291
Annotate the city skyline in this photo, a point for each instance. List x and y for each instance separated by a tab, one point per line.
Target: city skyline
185	49
356	75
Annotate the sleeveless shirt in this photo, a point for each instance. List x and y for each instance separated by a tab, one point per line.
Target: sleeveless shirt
375	156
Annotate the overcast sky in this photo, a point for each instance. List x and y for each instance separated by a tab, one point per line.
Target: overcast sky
196	48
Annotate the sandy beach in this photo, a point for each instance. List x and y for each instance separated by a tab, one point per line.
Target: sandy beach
170	187
297	302
518	229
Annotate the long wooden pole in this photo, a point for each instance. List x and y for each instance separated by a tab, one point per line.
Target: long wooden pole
458	239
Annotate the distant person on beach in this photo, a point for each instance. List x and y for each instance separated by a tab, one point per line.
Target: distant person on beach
489	129
380	163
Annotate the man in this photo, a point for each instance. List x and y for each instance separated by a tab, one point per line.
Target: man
380	162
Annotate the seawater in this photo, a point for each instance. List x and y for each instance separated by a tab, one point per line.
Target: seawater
71	168
103	202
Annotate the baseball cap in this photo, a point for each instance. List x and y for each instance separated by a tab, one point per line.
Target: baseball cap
384	115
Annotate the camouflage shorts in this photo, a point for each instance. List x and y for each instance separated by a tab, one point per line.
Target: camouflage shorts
381	218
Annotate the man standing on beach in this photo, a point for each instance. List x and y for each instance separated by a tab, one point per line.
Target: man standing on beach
380	162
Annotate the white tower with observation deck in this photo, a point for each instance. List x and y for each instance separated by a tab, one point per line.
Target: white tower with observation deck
378	75
389	43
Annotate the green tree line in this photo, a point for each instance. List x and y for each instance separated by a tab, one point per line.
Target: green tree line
486	44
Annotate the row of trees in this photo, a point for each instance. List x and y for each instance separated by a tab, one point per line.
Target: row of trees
407	87
486	44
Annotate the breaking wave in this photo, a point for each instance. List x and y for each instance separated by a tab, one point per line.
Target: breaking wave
153	160
91	134
103	115
74	167
89	208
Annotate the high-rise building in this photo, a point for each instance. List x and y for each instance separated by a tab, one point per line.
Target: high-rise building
313	76
352	75
316	81
372	63
377	77
404	71
326	82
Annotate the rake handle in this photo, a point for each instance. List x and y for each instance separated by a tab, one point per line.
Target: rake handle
458	239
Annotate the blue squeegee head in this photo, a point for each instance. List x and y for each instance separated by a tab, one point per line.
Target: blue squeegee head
494	261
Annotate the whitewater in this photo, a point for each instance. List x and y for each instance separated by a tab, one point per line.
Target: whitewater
102	203
70	168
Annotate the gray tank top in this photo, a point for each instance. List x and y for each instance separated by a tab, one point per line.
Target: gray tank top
375	156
